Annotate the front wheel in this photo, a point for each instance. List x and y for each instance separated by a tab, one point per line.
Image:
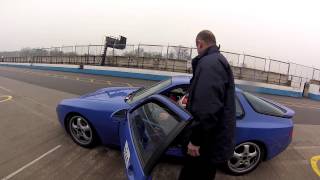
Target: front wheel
246	158
82	132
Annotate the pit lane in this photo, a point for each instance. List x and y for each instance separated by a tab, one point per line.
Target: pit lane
31	133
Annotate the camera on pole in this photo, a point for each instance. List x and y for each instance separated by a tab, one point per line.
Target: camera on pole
115	43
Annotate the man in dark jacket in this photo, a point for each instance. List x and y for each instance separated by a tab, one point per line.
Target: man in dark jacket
212	104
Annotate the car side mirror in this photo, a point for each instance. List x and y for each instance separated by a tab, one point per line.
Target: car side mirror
120	115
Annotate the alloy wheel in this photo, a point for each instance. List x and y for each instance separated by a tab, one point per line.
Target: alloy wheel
80	130
245	158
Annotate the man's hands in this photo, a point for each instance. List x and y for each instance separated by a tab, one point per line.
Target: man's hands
193	150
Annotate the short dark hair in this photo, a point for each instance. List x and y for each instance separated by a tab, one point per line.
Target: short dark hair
206	36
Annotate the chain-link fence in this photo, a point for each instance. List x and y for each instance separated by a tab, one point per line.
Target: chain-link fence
277	66
170	58
254	62
316	74
233	58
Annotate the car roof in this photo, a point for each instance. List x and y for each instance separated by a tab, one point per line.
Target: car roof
186	80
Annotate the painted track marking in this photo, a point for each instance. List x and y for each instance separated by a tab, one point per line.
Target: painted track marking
306	147
5	98
5	89
299	105
30	163
129	84
76	78
314	164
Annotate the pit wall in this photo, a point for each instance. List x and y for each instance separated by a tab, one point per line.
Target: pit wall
156	76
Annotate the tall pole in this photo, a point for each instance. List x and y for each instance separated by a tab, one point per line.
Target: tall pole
168	51
269	64
244	59
313	73
104	55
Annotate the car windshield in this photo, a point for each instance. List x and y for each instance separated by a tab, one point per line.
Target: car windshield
145	92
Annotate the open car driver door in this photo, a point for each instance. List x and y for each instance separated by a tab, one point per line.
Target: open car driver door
151	126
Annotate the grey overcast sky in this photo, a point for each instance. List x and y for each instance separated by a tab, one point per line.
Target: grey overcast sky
282	29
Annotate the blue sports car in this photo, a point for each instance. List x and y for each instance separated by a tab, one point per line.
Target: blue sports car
147	122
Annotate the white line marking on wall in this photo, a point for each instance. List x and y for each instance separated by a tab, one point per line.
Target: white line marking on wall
30	163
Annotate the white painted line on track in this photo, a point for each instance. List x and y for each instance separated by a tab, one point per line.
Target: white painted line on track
6	89
30	163
306	147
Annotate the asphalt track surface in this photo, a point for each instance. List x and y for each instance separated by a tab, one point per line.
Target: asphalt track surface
34	146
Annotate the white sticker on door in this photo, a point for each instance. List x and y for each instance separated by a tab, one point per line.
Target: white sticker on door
126	154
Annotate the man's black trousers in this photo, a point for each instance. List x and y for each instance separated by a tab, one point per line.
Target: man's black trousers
198	168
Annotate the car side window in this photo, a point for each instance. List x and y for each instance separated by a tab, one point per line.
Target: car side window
177	92
239	109
151	125
262	106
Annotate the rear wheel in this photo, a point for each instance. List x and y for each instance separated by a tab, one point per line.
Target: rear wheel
82	132
246	158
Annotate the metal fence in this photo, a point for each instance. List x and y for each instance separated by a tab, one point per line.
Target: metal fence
140	50
174	65
173	58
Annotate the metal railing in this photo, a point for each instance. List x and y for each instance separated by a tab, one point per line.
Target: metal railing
174	65
169	58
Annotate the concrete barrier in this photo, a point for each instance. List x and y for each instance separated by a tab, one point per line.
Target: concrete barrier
157	75
269	88
101	70
314	90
